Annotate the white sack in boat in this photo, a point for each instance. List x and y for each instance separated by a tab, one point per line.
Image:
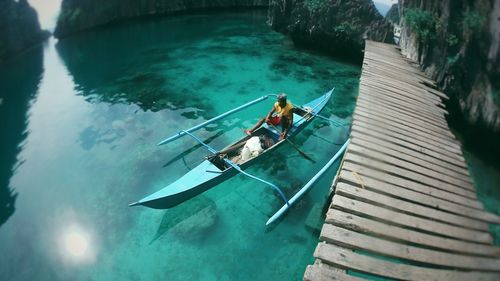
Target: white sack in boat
251	149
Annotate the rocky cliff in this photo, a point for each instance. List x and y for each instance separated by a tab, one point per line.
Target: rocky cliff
393	14
77	15
19	27
336	26
457	43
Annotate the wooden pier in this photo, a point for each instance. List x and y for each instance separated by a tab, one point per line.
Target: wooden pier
404	205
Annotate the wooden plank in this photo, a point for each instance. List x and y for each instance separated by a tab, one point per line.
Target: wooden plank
411	185
374	93
351	239
423	125
385	114
404	173
403	148
381	200
403	127
389	159
400	219
375	90
397	64
412	156
432	200
401	132
325	273
407	129
401	86
348	259
408	80
411	143
395	76
375	228
396	73
440	123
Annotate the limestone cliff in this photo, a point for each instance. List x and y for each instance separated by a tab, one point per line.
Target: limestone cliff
19	27
335	26
77	15
458	44
393	14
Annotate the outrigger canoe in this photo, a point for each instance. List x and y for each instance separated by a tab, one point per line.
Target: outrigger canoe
224	164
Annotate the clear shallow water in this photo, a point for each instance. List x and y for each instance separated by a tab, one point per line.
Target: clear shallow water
84	117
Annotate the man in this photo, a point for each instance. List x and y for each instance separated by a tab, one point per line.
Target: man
284	117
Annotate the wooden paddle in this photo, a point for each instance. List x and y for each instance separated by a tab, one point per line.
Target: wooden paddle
295	146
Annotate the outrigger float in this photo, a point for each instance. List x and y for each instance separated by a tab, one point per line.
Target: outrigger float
224	164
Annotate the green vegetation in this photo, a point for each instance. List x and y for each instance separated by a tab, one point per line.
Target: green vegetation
314	5
422	22
473	20
346	28
454	59
69	16
452	40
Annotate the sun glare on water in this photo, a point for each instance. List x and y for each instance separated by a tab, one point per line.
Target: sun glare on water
76	246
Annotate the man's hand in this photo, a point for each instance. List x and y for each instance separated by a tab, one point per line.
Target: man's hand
282	136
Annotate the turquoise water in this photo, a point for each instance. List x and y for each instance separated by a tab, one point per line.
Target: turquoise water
84	115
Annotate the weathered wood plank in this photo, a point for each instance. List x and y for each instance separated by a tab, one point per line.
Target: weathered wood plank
414	151
351	156
387	129
387	157
325	273
385	201
392	74
397	86
405	220
406	118
447	143
376	94
351	239
411	143
432	200
372	112
411	156
348	259
410	185
410	112
378	91
403	87
375	228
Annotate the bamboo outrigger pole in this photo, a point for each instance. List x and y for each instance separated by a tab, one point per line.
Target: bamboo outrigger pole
183	132
308	185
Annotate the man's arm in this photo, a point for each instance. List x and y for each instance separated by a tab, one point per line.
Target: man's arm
270	114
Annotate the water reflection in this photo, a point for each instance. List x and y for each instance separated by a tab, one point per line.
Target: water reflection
134	64
19	82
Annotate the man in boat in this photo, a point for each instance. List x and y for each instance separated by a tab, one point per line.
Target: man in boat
284	117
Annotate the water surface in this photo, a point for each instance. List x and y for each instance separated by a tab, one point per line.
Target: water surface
85	114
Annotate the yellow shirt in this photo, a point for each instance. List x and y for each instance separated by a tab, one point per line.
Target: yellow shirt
286	111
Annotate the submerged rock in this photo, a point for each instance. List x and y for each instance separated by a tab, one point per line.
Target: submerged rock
457	43
337	27
77	15
19	27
